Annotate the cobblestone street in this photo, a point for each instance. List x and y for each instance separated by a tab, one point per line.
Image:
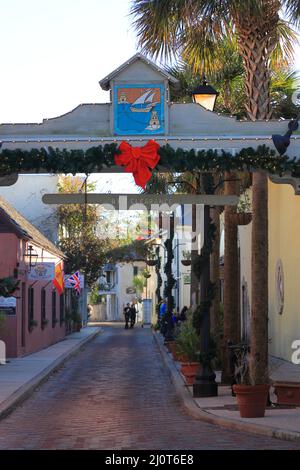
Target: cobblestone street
116	394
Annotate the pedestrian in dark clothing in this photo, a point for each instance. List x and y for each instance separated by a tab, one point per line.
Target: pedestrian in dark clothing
132	315
127	313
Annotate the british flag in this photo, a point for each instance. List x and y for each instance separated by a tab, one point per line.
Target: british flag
75	282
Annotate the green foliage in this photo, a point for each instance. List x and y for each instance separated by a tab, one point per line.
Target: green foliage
86	254
8	285
146	274
244	204
63	161
95	297
139	283
85	251
200	260
175	160
134	250
76	219
76	317
186	254
187	341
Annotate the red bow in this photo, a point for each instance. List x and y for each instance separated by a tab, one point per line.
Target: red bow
138	160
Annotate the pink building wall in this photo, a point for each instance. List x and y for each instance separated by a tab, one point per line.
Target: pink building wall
16	328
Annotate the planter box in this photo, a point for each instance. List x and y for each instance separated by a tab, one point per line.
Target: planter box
288	393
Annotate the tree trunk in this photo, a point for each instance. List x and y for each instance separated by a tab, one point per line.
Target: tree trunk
231	278
259	303
257	38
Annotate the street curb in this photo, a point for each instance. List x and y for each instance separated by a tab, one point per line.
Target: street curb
27	389
194	410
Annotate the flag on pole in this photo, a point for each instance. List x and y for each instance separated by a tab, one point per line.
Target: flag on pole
74	280
58	280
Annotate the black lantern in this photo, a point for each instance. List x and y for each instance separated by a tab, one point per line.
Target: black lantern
31	255
205	95
281	142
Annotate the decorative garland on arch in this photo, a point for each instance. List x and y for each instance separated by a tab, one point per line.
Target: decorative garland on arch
96	159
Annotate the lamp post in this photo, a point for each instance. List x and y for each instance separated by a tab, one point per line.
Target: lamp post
205	95
205	384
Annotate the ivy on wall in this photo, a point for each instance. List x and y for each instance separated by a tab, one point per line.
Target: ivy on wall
96	159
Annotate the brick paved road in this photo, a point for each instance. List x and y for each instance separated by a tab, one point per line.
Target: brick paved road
115	394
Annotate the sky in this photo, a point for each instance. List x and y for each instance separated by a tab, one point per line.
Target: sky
54	52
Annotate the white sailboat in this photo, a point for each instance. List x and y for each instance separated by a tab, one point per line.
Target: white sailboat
144	103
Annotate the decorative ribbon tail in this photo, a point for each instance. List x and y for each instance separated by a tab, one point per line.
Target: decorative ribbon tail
139	160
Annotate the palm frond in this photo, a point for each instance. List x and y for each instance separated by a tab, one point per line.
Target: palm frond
288	38
292	10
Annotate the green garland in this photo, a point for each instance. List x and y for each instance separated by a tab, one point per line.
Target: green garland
96	159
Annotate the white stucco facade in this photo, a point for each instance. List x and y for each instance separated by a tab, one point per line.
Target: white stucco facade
26	196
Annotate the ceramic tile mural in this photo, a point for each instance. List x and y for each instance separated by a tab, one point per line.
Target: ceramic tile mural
139	109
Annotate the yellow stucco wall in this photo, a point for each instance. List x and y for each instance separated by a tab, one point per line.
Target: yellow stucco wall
284	244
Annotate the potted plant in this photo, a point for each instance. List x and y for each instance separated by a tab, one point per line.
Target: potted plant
77	322
32	324
187	258
252	398
151	259
146	274
187	346
44	323
243	215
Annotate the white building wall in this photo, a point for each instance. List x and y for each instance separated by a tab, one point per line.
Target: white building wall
26	197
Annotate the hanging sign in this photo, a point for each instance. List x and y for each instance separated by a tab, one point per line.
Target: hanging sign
139	109
41	272
8	302
131	290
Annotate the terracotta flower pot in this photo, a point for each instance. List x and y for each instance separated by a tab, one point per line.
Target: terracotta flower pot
288	393
182	358
252	399
189	370
172	349
169	345
241	218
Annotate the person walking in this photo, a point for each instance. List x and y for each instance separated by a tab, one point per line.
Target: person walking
132	315
127	314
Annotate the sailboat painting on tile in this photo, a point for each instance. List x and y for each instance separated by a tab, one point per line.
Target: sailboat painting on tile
139	109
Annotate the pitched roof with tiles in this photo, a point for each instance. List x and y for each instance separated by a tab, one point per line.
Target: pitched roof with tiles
25	229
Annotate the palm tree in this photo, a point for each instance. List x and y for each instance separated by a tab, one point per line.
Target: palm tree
192	28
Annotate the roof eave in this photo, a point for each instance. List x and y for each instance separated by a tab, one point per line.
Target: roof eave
105	82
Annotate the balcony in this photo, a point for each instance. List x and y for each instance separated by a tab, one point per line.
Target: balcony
108	267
